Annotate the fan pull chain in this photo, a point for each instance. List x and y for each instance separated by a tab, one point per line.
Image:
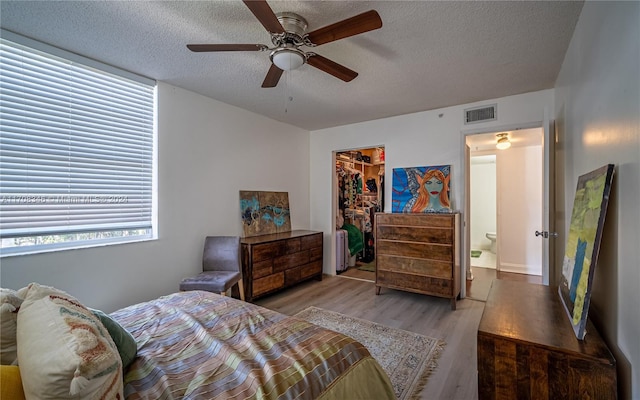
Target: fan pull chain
287	97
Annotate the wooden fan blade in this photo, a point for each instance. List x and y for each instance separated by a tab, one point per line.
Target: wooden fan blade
264	13
361	23
226	47
273	76
331	67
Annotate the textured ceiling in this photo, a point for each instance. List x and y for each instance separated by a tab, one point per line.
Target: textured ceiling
427	55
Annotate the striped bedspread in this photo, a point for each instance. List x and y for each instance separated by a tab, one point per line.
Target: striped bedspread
200	345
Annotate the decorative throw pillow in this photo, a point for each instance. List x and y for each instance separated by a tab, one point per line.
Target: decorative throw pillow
126	344
64	351
10	301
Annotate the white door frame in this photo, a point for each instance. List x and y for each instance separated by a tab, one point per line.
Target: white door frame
548	198
544	124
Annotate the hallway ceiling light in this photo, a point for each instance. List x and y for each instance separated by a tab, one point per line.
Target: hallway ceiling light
503	141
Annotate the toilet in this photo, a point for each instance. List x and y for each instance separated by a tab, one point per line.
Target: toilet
492	236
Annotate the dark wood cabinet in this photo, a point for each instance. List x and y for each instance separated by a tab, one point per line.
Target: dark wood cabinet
527	349
418	253
276	261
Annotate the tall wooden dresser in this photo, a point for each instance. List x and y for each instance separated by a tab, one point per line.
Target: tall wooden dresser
418	253
276	261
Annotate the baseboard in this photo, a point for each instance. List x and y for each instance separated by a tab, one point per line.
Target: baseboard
520	268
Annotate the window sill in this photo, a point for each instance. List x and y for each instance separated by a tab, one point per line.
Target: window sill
32	250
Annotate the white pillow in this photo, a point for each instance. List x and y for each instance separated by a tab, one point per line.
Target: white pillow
10	301
64	351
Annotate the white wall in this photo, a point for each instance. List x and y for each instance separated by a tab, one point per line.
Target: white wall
208	152
598	110
519	175
428	138
483	204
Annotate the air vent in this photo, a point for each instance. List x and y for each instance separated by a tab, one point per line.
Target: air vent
481	114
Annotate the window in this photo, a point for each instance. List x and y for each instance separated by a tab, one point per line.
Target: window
76	150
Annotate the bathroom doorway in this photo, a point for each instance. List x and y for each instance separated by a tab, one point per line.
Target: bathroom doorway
505	207
483	209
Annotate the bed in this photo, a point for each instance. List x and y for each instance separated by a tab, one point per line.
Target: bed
200	345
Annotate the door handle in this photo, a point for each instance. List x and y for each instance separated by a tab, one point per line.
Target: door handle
546	234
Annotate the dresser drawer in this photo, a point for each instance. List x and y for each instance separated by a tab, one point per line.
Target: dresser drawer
292	245
291	260
294	275
291	276
311	269
436	269
428	251
416	283
423	220
268	283
311	241
269	250
315	254
415	234
262	268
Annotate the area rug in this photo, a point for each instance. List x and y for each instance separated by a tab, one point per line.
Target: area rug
407	357
371	267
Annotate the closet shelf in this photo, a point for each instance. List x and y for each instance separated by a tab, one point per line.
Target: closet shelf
366	164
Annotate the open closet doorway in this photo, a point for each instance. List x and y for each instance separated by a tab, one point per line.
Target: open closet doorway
505	208
359	194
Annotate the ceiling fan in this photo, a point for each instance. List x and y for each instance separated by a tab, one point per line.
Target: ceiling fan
288	35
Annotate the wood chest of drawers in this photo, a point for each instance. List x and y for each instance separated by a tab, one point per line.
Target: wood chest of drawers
276	261
527	349
418	253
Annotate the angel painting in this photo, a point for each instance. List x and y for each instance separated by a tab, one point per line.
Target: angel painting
421	189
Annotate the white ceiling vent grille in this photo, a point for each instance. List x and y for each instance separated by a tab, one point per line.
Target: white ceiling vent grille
481	114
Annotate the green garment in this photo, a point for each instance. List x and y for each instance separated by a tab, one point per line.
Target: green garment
355	237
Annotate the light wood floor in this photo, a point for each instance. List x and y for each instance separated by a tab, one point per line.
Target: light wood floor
354	272
478	288
456	375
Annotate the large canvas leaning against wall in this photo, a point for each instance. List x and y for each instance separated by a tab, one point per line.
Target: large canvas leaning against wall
264	212
583	244
421	189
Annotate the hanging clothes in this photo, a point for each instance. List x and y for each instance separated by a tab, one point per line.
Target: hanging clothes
349	186
360	195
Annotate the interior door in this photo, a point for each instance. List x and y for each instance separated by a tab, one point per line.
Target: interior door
548	233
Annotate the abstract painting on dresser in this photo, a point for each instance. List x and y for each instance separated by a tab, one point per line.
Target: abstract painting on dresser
264	212
583	244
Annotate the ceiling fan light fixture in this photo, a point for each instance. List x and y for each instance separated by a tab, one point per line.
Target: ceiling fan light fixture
503	141
287	59
288	33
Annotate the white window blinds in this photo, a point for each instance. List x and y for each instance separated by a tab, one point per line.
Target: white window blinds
76	147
